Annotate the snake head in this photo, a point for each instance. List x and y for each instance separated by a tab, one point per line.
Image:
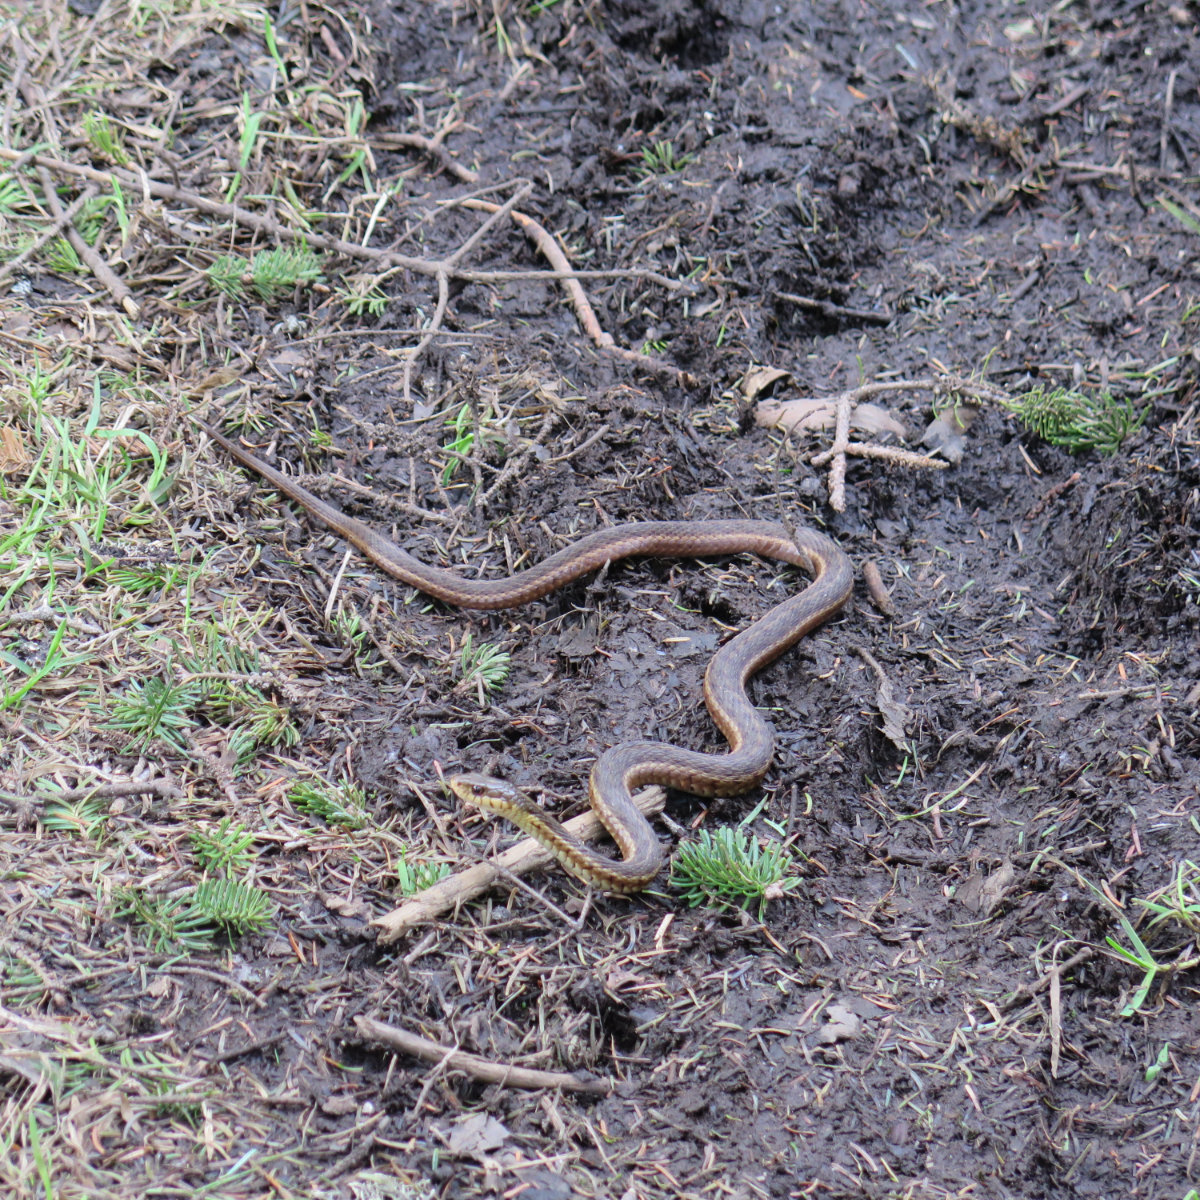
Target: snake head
485	791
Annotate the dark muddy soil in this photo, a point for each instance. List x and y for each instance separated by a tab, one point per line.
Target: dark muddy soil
972	188
989	178
932	1013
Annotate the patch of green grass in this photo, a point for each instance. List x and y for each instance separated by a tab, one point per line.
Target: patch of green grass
54	662
663	159
21	983
62	258
87	479
731	867
1178	902
269	723
350	626
1181	214
85	817
104	137
15	197
251	122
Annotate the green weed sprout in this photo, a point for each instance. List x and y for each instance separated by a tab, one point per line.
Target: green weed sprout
662	159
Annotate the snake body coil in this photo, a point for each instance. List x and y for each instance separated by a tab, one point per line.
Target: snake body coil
626	767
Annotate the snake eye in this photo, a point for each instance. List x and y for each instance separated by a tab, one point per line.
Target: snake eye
470	785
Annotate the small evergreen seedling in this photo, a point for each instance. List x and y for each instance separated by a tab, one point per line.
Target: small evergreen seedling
485	666
224	847
155	708
1075	421
731	868
168	922
335	806
271	274
233	904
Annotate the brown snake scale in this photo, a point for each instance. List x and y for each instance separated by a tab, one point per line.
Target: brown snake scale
626	767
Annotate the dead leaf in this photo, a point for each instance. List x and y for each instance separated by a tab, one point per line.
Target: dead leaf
947	433
476	1135
342	907
339	1106
221	377
14	456
842	1024
795	414
982	893
759	379
897	716
811	413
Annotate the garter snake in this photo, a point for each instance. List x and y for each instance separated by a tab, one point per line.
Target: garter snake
621	769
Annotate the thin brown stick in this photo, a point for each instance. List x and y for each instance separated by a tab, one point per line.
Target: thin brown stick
837	454
552	252
837	312
842	448
1052	495
876	589
1028	990
554	255
527	855
100	791
52	230
103	273
443	281
44	612
482	1069
430	146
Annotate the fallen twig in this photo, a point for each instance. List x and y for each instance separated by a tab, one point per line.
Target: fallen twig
161	787
876	589
60	222
554	255
837	312
1053	494
104	274
527	855
447	265
431	146
45	613
835	456
1028	990
483	1069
